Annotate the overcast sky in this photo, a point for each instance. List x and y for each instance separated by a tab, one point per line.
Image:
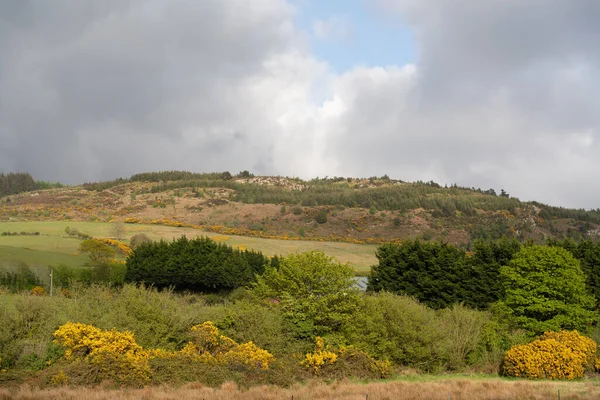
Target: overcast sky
491	94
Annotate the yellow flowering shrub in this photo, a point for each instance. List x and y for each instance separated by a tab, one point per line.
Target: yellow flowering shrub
319	357
247	355
211	346
116	355
59	379
38	291
553	355
122	247
351	357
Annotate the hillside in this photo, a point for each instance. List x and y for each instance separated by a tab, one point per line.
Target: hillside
352	210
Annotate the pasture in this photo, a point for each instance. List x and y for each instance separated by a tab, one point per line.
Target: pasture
52	246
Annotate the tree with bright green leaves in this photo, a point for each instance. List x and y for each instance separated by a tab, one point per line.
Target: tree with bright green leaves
315	290
545	291
588	253
98	251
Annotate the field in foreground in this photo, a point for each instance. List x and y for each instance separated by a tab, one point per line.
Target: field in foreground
53	247
460	389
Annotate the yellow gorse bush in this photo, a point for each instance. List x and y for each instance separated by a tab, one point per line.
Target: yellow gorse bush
319	357
38	291
122	247
209	345
117	356
163	221
553	355
322	357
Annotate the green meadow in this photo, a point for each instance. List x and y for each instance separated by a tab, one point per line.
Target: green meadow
52	246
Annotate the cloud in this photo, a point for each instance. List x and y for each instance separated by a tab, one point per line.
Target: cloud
92	91
502	95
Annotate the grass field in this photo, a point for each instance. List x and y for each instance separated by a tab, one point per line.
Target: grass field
53	247
436	388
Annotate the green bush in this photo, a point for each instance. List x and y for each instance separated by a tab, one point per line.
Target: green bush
315	291
401	329
321	217
139	238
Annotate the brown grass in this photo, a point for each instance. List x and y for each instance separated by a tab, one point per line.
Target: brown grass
460	389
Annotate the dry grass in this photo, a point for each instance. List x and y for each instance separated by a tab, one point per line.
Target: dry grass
460	389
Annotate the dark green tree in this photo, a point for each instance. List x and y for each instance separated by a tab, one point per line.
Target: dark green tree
200	264
439	274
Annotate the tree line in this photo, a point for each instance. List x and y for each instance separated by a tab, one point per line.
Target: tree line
19	182
13	183
544	287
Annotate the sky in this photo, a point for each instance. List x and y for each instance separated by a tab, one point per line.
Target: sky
493	94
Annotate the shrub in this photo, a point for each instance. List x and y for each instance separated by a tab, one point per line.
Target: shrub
344	361
38	291
297	210
401	329
554	355
321	217
115	354
97	250
137	239
209	346
74	232
315	290
463	328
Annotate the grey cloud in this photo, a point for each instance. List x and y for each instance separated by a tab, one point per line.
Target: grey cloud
74	74
504	96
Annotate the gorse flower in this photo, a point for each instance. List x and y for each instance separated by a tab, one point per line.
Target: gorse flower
117	356
553	355
324	357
